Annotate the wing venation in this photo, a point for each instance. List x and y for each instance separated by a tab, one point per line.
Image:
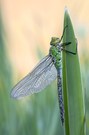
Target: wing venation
41	76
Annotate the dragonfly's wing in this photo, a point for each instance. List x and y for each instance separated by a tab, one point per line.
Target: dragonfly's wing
41	76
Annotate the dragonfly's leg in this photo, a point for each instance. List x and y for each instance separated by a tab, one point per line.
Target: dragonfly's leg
63	32
74	53
67	43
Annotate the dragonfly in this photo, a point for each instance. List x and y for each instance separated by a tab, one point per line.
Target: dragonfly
47	70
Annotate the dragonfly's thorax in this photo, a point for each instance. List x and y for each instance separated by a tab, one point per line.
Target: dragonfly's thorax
55	53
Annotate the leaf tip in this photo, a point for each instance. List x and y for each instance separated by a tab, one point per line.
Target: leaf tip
66	9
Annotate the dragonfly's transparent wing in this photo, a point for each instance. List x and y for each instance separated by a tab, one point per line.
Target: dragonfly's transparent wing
41	76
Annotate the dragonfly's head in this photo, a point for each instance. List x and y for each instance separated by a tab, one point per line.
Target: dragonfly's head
54	41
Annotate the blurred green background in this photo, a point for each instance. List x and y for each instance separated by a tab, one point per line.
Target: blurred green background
25	34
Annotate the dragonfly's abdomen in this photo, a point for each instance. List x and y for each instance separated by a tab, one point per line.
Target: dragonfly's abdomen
60	95
56	55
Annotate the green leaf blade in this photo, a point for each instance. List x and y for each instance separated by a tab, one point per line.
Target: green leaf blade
72	86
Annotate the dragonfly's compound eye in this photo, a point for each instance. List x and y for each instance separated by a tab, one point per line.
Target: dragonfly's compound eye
54	41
